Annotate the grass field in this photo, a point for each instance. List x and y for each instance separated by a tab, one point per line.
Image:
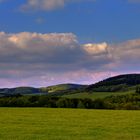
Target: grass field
68	124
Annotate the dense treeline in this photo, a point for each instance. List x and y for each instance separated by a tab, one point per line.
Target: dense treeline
117	83
138	89
113	88
130	101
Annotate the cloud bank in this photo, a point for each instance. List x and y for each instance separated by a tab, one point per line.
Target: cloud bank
44	59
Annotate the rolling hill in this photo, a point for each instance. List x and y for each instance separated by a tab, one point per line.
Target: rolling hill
62	87
118	85
18	90
51	90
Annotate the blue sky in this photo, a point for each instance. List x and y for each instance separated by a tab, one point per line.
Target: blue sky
102	20
96	28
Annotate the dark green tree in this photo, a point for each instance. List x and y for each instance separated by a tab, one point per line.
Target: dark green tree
80	105
138	89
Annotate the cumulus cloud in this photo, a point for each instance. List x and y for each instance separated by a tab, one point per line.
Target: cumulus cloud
62	48
127	51
45	59
46	5
25	54
43	4
95	48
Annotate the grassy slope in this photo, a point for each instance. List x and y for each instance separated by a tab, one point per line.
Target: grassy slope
68	124
95	95
62	87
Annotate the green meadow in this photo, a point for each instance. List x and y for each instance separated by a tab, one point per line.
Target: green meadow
68	124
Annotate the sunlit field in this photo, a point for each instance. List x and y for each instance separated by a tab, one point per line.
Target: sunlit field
68	124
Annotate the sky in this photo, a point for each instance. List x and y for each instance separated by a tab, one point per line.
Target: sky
48	42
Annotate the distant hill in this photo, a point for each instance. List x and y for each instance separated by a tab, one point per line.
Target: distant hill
117	83
53	90
18	90
63	89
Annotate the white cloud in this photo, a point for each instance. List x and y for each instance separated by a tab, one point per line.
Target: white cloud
43	4
127	51
62	48
46	5
95	48
25	54
59	57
